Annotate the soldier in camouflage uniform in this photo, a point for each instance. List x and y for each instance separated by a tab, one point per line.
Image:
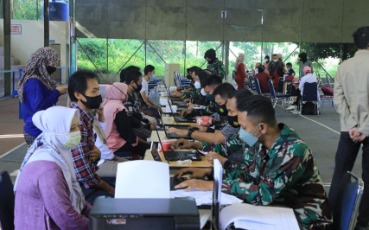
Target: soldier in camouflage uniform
209	84
279	169
215	66
225	143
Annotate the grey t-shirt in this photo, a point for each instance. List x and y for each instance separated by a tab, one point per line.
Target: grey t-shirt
233	148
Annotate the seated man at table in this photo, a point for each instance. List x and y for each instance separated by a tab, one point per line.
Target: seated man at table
149	72
195	84
225	143
134	96
208	84
83	90
278	169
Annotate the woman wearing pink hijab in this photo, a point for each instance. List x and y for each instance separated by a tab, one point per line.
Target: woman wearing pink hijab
120	137
240	71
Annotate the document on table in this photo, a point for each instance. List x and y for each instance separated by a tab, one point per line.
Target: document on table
204	197
246	216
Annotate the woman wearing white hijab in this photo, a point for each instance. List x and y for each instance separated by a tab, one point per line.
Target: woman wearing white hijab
47	194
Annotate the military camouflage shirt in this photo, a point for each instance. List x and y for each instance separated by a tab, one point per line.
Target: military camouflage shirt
232	148
217	68
284	175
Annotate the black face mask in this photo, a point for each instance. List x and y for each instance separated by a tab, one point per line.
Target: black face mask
233	121
222	110
92	102
139	87
50	69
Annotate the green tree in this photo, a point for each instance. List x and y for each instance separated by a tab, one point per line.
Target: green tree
27	9
318	51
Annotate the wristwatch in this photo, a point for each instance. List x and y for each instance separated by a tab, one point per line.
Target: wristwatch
210	130
191	130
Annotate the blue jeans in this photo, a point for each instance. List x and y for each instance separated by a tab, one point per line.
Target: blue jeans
345	158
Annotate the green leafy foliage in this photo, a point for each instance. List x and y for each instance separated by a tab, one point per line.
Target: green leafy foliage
318	51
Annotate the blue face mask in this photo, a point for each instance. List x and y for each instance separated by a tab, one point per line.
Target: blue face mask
152	77
247	137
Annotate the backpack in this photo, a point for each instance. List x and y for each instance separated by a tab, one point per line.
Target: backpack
328	91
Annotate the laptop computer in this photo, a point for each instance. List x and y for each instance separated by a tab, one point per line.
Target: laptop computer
176	155
178	118
175	101
172	135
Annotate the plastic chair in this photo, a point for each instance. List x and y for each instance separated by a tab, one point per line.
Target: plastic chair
310	94
6	202
274	97
257	86
349	198
251	84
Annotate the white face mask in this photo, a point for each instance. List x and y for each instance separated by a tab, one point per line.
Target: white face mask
197	85
73	139
203	92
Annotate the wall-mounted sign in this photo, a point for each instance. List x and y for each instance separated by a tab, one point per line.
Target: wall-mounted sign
15	29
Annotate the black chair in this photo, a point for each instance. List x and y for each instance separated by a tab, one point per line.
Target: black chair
6	201
310	95
346	208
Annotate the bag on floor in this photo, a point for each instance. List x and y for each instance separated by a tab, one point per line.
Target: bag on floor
309	108
328	91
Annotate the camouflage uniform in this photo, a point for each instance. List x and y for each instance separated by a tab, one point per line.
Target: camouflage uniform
232	148
285	175
193	93
217	68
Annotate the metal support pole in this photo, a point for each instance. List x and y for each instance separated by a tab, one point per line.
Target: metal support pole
7	46
132	57
46	23
145	50
185	57
226	55
72	39
157	53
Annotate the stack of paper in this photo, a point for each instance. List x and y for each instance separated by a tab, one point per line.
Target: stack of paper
246	216
205	197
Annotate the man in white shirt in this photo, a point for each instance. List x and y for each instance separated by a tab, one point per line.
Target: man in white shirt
149	73
308	78
351	97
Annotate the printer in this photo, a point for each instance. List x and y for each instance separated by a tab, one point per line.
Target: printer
160	214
